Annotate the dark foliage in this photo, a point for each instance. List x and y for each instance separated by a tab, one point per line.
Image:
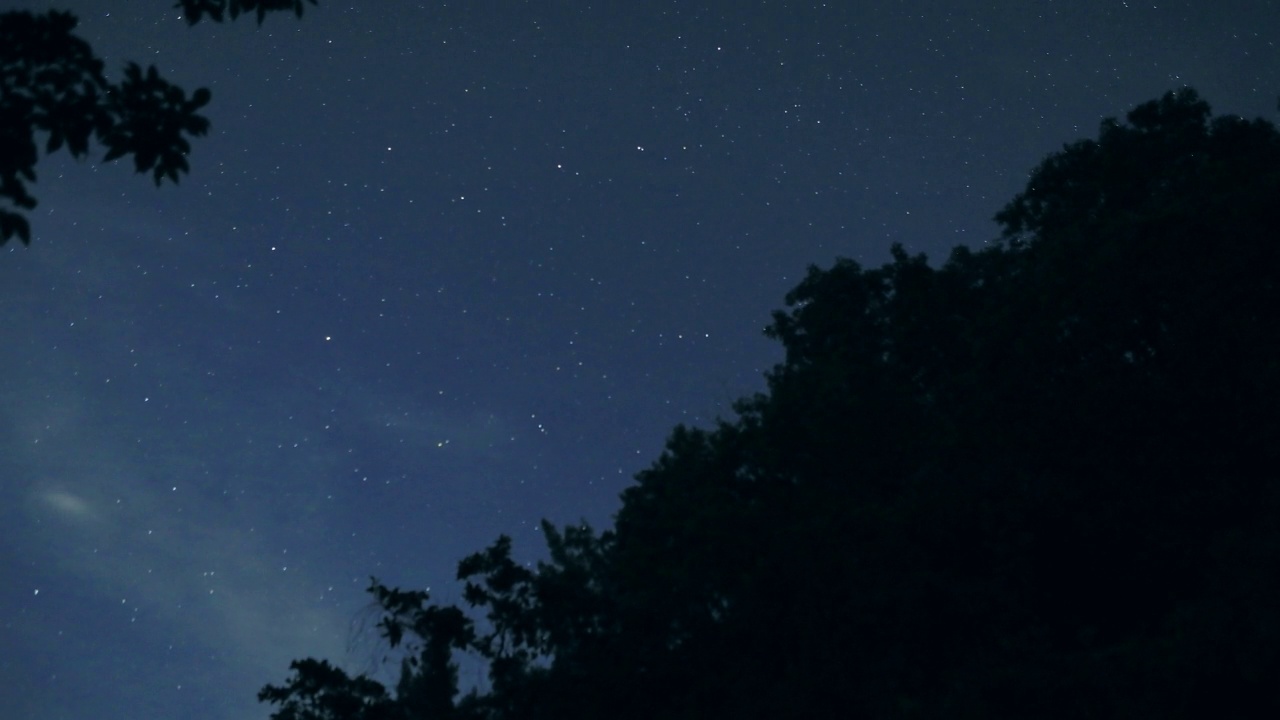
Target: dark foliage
195	10
52	87
1038	481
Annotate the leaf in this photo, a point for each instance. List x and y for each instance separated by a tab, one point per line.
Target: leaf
115	153
14	224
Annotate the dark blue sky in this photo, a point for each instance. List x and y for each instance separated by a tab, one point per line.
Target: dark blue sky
442	271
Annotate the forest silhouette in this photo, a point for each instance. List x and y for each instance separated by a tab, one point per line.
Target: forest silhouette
1037	481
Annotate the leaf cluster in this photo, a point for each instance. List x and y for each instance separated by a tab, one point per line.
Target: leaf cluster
52	86
196	10
1037	481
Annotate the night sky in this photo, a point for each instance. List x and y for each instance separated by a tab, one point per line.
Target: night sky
443	270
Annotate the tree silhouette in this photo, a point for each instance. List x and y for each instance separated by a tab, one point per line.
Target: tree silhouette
52	85
1037	481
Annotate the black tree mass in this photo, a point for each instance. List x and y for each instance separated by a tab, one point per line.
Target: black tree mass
1036	481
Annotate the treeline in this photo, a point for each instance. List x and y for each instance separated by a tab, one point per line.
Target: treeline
1039	480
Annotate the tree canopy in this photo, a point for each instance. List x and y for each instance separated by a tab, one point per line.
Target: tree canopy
52	86
1036	481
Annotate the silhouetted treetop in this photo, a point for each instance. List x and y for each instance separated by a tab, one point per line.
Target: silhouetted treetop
1157	162
1036	481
